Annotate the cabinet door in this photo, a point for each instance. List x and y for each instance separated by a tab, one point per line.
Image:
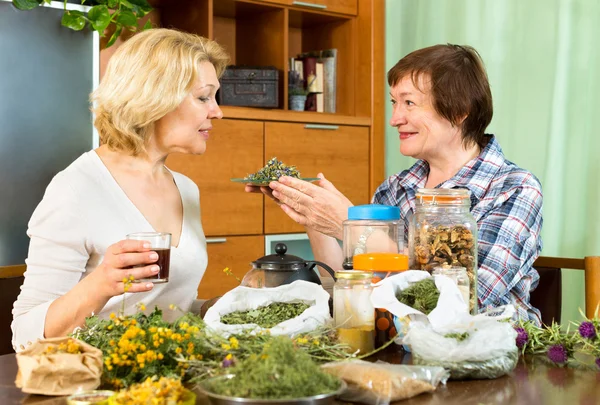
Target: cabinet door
234	149
235	252
341	153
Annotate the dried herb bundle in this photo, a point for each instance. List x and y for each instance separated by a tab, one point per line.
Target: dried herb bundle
280	371
455	245
273	170
422	295
266	317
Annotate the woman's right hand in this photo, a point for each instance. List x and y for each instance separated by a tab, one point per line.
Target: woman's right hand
118	266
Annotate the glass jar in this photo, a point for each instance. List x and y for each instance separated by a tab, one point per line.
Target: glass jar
353	313
459	276
382	265
443	231
372	228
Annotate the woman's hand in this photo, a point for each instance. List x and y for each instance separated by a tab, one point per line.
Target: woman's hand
320	207
118	265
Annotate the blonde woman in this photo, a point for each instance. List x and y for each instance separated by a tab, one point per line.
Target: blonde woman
157	97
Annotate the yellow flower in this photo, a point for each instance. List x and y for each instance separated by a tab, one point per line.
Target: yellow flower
229	356
160	356
302	341
172	307
112	315
141	306
225	347
178	350
235	344
316	342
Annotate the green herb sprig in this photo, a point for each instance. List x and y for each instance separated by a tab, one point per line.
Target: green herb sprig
273	170
267	316
422	295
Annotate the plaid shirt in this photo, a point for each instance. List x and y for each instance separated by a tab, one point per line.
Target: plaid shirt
506	202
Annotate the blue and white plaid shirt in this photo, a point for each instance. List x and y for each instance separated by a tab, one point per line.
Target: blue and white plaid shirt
506	202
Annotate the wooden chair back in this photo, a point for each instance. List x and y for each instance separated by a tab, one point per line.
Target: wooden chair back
11	280
590	265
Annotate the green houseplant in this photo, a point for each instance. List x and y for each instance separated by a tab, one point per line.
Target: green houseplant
123	14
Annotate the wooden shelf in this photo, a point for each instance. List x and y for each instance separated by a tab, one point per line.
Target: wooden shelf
260	114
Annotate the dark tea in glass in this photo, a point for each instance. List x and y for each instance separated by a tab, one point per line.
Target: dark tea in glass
160	242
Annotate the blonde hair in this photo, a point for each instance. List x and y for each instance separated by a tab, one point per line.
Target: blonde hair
146	78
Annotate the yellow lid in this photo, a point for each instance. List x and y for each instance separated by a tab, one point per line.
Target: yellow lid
353	275
391	262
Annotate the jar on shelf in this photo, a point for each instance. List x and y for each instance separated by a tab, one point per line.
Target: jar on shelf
372	228
382	265
353	313
443	232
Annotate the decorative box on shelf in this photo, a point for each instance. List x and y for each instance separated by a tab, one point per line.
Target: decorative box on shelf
246	86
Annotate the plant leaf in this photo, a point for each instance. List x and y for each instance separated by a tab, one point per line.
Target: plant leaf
127	18
26	4
141	7
148	25
99	17
114	36
113	3
126	4
73	19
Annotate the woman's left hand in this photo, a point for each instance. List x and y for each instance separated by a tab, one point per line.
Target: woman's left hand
322	208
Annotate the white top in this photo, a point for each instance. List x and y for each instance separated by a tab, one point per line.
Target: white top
83	212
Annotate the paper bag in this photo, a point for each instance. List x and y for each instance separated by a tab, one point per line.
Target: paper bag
47	370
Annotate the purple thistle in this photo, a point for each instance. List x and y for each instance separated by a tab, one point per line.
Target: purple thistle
598	362
227	362
557	354
522	337
587	330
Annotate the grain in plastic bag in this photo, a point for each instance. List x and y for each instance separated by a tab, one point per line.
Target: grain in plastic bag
381	383
58	366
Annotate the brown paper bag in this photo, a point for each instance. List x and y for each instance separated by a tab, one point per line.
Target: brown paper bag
43	369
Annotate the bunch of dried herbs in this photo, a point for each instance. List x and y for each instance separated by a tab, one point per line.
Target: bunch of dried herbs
280	371
267	316
448	245
422	295
272	171
136	347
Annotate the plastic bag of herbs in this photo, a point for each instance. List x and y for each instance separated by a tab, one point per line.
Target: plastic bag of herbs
470	347
416	295
281	371
290	309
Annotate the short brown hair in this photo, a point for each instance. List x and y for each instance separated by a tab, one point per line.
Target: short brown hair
146	78
459	86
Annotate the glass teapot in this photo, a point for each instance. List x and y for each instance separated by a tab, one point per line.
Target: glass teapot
278	269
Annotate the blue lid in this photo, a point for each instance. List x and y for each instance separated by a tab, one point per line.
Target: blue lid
374	211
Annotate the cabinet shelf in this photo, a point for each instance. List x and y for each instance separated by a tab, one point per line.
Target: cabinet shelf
259	114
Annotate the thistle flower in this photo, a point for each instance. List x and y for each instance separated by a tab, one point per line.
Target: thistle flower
522	337
587	330
557	354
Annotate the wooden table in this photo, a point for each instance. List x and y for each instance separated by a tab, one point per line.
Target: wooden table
529	384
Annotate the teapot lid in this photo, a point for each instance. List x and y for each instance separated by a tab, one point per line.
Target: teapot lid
280	261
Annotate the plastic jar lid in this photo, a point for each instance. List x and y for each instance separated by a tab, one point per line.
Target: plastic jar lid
353	275
390	262
374	211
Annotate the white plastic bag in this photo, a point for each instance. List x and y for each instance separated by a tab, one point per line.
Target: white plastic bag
450	304
247	299
486	349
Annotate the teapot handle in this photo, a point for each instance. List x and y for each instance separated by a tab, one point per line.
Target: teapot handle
329	270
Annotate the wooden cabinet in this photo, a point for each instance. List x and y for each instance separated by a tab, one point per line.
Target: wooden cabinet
269	33
235	148
334	6
235	252
339	152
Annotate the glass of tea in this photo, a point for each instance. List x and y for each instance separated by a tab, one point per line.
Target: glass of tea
160	242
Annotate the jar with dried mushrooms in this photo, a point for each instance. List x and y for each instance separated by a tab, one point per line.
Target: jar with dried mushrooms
443	232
